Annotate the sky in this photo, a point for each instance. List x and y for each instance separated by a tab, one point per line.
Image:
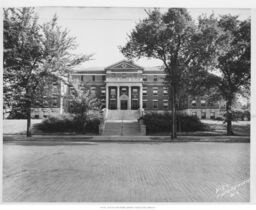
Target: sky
99	31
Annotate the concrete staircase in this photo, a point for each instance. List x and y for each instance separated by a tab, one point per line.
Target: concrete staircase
122	115
122	123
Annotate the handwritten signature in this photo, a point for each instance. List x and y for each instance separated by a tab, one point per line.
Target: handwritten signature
230	190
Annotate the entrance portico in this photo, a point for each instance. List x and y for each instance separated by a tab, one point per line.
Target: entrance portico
124	86
124	96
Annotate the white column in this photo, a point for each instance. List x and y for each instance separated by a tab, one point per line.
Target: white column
118	95
107	97
141	98
130	96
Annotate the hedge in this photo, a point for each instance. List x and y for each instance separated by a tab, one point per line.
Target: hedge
162	122
69	123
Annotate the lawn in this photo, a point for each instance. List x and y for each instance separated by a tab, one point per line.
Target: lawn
241	128
216	128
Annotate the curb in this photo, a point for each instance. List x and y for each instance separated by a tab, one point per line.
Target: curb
120	139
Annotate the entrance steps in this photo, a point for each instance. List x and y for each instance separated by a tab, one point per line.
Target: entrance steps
125	115
122	129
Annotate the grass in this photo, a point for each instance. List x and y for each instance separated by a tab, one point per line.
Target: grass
241	128
217	128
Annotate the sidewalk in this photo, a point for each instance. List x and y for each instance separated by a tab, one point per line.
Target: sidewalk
82	138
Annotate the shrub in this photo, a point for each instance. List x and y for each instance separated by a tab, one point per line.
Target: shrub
240	115
69	123
93	125
157	122
219	118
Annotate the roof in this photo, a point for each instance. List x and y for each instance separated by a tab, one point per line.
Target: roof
84	69
154	68
101	69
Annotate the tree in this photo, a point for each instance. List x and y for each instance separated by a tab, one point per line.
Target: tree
232	52
83	101
33	53
178	42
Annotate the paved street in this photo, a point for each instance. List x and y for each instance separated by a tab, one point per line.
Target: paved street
126	172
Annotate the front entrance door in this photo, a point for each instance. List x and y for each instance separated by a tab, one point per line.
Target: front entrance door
124	104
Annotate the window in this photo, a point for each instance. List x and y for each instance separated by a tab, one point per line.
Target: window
55	89
123	75
36	116
155	78
155	104
145	78
124	91
212	116
145	91
210	103
155	91
37	103
165	104
55	102
103	91
144	104
203	102
45	103
103	78
203	115
72	91
93	91
82	78
194	114
135	90
93	78
165	91
82	87
193	103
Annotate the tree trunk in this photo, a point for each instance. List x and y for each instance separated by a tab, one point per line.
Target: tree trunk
29	120
229	117
174	133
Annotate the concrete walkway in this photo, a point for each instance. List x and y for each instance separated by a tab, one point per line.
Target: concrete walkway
83	138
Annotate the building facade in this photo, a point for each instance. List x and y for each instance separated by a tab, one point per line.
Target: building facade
127	86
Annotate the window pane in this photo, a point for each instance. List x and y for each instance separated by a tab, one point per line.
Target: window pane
155	91
203	115
155	104
144	104
145	91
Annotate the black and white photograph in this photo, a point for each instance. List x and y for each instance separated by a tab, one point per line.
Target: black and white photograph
126	104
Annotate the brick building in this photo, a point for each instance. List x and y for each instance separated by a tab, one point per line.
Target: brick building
125	86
